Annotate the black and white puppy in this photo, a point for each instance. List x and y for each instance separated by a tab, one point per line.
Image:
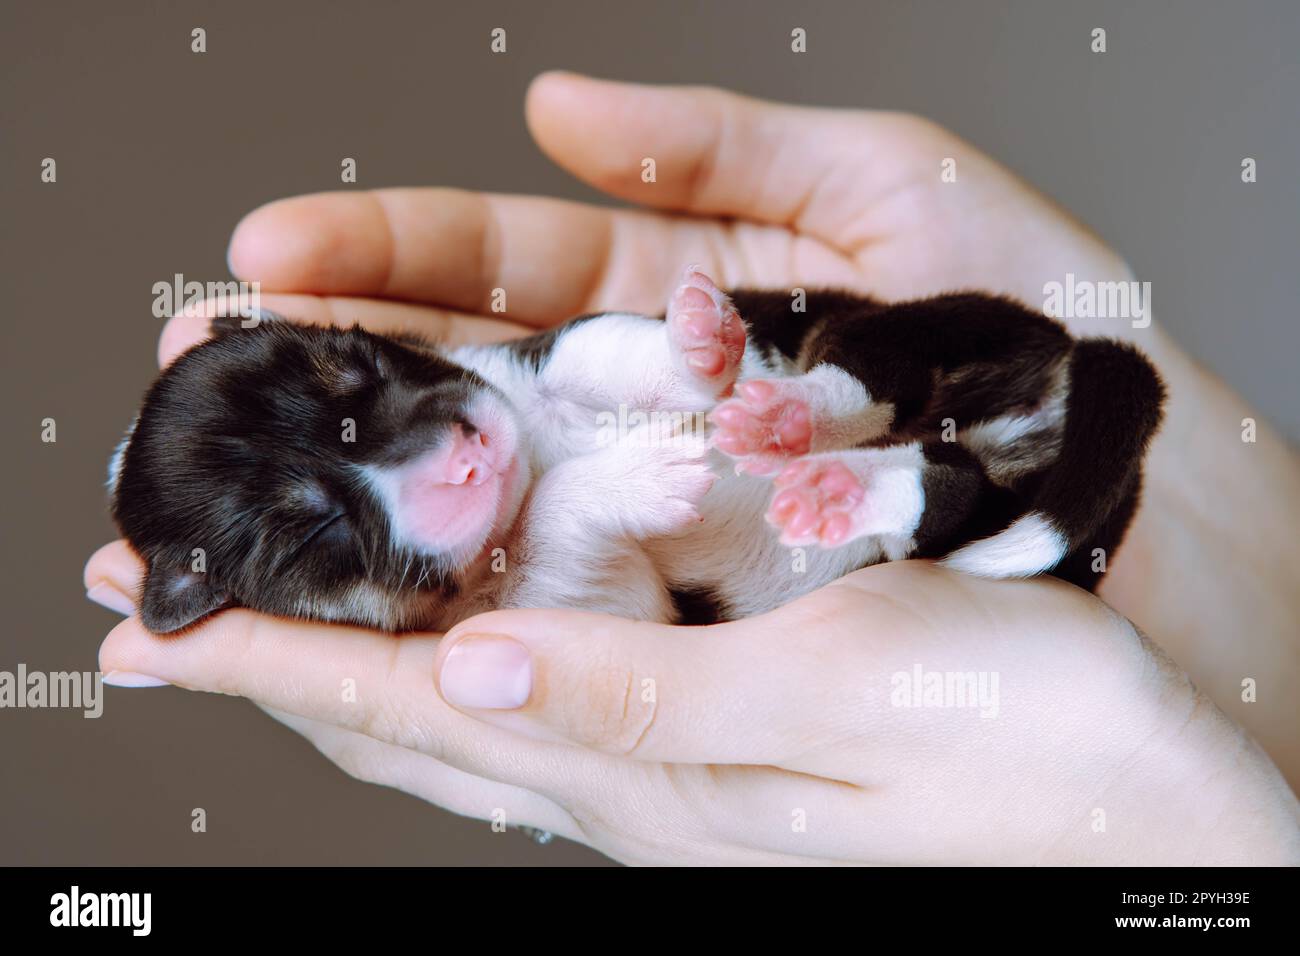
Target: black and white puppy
345	476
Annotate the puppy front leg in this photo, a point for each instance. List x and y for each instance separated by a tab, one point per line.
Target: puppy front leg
579	545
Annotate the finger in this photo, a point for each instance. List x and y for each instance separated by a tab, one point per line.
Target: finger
112	577
365	681
719	153
421	776
795	688
444	326
440	246
743	813
550	260
477	769
647	691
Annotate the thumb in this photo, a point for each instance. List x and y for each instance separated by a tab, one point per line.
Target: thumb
630	688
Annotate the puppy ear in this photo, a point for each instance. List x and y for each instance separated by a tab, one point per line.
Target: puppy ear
177	597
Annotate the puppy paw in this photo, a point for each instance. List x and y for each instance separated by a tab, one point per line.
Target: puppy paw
816	502
662	478
675	480
706	335
767	424
832	499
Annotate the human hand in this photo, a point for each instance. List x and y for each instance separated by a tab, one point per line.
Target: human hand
795	737
783	196
775	196
810	197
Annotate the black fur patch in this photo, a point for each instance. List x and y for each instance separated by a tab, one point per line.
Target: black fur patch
699	605
241	483
962	358
961	504
773	323
1113	409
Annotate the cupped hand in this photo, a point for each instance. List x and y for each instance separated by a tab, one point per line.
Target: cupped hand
903	715
755	722
782	196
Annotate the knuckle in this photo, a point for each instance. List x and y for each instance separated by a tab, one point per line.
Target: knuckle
613	714
387	710
240	635
384	718
378	720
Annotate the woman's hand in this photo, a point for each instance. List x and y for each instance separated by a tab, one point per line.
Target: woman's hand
760	194
786	196
903	715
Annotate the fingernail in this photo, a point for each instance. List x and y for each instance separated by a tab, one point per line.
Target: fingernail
110	597
487	672
132	679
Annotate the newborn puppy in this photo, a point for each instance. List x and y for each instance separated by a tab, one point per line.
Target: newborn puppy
341	475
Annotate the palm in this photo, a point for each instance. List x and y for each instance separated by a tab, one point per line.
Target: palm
758	194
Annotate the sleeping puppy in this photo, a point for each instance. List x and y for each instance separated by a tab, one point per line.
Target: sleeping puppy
706	465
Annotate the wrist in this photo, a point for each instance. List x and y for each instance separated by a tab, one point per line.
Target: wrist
1192	789
1218	509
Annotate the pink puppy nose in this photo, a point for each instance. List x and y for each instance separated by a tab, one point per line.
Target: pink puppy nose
448	497
467	461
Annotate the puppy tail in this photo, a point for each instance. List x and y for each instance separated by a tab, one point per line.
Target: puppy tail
1113	409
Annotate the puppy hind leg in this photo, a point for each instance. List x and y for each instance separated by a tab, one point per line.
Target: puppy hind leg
706	335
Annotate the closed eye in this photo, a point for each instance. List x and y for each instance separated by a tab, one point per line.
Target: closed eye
324	526
315	534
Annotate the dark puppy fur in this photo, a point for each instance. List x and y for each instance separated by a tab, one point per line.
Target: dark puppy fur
340	475
240	451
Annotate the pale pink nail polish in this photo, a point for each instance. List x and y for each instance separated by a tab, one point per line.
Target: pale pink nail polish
487	672
110	597
132	679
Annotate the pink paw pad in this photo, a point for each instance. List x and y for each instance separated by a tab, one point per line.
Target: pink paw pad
765	426
706	330
816	503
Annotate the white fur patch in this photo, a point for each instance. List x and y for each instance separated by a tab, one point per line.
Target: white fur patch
1011	446
985	438
895	500
1030	546
844	414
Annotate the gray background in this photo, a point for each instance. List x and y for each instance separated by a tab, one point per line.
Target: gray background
160	152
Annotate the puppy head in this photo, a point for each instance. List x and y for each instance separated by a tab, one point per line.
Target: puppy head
314	472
